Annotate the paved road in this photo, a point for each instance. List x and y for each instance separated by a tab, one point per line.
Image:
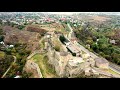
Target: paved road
36	51
77	45
70	27
9	67
86	51
112	66
106	73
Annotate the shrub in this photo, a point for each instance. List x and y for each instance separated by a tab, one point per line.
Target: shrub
57	48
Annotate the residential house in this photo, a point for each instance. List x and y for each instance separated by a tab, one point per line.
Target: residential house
17	76
11	46
112	41
2	42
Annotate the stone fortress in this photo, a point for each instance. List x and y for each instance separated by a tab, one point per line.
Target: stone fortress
67	65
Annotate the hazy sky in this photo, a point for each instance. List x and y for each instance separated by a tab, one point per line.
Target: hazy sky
69	13
66	13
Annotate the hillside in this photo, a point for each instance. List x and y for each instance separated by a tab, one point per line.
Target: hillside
14	36
35	28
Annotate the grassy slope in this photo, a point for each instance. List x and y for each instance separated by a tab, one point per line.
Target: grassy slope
111	71
46	70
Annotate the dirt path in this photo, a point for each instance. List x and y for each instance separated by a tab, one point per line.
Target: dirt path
9	67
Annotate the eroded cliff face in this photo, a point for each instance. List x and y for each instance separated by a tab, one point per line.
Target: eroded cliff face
54	61
33	68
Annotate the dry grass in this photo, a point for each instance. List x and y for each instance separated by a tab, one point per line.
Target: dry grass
46	70
99	18
111	71
2	54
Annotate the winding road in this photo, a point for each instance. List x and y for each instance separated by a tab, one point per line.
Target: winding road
9	67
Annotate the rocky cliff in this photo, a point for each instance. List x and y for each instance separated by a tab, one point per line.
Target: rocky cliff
32	67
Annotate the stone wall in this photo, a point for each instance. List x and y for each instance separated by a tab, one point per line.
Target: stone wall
72	71
62	67
53	61
58	61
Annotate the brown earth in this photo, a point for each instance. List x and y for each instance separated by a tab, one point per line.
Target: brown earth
52	27
37	29
98	18
117	34
14	36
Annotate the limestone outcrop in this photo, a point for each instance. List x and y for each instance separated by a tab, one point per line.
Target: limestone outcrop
32	67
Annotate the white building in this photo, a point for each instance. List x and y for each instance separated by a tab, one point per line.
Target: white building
11	46
17	76
48	36
97	40
67	43
112	41
2	42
